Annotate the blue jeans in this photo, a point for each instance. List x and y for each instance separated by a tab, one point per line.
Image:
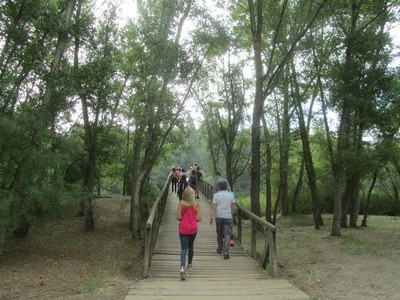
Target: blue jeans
223	233
187	242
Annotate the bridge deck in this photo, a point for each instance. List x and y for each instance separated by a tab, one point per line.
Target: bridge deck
239	277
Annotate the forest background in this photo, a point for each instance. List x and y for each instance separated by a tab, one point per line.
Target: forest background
91	108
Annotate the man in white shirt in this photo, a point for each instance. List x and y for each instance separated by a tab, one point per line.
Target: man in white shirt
223	211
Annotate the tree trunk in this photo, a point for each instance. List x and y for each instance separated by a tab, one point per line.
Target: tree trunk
90	168
256	28
268	172
134	225
354	207
126	184
228	166
337	204
135	206
62	44
312	183
356	172
299	186
284	155
340	170
364	221
345	203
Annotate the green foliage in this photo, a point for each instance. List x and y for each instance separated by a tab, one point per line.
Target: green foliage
6	221
148	195
138	77
57	202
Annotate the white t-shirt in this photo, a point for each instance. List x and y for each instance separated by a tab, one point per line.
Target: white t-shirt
223	200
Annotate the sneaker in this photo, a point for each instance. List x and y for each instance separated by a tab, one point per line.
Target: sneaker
219	251
189	267
232	243
183	275
226	255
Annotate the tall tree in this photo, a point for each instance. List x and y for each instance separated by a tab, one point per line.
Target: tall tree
307	156
230	113
96	92
270	60
358	84
165	57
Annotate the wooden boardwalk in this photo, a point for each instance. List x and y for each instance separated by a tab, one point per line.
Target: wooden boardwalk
212	277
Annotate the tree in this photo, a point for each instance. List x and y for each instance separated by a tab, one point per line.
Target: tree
268	46
229	112
307	156
28	50
357	87
95	93
163	58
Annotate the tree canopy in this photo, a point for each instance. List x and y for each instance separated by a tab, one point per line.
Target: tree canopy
271	93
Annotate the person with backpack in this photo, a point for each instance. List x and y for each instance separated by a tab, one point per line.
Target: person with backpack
199	176
174	180
193	179
188	215
182	185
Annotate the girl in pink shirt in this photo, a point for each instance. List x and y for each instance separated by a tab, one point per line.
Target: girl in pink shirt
188	213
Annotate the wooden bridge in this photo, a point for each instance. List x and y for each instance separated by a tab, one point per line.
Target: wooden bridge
212	277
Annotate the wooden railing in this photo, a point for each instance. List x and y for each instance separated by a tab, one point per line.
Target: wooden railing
153	225
268	230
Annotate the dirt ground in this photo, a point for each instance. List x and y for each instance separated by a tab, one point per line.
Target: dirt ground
61	261
362	264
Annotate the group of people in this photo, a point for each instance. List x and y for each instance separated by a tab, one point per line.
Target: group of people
182	179
189	214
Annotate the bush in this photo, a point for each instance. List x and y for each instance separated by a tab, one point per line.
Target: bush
148	195
6	220
379	204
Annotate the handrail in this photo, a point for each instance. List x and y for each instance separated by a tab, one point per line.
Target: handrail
153	225
269	230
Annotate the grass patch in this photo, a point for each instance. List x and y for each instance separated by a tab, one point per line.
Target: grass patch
92	284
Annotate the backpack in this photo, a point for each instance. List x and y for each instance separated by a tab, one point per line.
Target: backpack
175	176
199	176
193	181
181	186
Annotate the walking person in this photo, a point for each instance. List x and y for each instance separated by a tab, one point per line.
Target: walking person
199	176
218	178
193	181
182	185
188	213
223	211
174	181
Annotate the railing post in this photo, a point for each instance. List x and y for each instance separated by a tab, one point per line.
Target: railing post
272	254
239	226
147	252
253	242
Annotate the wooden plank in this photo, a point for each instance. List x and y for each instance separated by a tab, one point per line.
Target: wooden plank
212	289
212	276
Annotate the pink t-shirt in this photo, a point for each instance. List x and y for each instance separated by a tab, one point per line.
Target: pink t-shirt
188	223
